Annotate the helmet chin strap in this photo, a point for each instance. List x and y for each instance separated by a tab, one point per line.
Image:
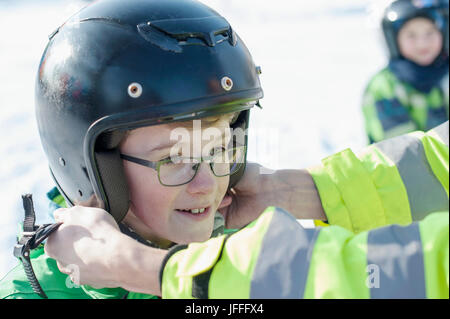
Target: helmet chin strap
32	237
115	186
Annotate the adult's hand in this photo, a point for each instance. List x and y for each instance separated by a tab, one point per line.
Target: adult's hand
259	187
90	248
253	193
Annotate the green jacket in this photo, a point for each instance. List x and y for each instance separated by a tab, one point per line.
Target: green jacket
392	107
55	284
389	236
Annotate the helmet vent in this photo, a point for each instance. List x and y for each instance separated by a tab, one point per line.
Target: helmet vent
172	34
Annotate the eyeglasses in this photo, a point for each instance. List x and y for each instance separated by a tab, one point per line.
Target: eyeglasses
178	170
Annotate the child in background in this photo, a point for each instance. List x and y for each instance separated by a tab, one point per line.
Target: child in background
410	93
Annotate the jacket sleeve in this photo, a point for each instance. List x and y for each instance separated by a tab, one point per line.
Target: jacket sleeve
385	108
396	181
274	257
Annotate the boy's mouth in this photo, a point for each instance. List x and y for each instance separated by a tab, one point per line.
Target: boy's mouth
192	211
195	212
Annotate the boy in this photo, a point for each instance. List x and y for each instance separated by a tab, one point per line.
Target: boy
409	94
117	85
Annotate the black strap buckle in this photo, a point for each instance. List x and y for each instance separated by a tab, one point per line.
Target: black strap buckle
32	237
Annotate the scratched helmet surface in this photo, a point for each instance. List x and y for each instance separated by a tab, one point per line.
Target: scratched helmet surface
118	65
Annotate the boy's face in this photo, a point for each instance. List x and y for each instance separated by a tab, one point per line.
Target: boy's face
420	41
159	208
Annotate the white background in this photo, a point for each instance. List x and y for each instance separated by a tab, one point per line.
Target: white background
316	58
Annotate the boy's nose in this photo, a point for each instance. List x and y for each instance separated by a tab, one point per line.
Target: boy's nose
423	42
203	182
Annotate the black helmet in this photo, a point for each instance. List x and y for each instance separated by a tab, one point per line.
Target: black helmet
118	65
400	11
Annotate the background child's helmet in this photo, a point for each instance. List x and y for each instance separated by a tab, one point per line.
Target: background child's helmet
118	65
400	11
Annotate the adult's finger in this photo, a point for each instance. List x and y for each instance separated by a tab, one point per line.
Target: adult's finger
63	268
59	214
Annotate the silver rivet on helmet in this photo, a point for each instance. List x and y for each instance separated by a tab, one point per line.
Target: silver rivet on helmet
134	90
227	83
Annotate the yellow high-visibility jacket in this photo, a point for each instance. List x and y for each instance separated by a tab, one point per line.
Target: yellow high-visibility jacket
388	210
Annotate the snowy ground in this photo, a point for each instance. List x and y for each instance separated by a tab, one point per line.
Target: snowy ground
316	57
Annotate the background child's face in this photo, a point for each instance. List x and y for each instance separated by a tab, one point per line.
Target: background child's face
157	206
420	41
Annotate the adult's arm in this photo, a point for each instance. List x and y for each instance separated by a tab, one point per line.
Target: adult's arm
395	181
274	257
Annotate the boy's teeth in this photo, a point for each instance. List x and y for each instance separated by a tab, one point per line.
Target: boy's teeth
195	210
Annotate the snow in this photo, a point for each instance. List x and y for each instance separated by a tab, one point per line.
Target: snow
316	58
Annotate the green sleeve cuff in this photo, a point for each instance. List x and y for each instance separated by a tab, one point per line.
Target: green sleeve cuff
333	205
349	196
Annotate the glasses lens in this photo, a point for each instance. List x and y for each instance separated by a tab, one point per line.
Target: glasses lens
228	162
178	173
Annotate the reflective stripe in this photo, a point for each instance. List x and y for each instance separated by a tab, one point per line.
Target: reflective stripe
282	266
442	132
401	128
425	192
395	253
